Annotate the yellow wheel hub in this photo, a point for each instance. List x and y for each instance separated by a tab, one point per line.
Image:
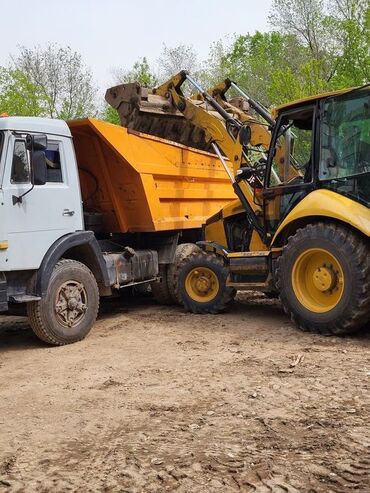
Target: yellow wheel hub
318	280
202	284
323	279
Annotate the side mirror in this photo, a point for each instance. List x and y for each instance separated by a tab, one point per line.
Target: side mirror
37	145
37	142
40	142
245	135
38	165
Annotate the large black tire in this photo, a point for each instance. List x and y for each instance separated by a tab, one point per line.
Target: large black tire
221	295
182	251
164	291
160	289
350	250
69	310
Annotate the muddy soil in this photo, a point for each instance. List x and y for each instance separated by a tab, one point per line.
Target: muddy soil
157	400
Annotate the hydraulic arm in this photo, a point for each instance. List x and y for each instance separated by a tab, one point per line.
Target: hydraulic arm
260	136
227	135
260	130
214	128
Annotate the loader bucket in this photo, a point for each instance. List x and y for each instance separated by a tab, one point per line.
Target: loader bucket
142	111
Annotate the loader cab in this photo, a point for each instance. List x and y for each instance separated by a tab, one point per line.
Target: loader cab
323	142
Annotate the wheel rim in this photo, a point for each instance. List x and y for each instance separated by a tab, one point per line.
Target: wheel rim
202	284
318	280
71	303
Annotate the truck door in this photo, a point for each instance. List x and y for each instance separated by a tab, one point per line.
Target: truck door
48	211
290	171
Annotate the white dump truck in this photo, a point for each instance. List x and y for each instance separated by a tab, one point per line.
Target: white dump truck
72	230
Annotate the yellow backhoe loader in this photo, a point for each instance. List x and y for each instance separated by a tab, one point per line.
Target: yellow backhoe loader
301	224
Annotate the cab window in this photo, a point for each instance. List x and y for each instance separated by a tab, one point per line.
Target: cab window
345	136
53	163
20	165
344	164
292	161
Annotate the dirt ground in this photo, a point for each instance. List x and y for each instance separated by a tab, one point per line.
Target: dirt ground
158	400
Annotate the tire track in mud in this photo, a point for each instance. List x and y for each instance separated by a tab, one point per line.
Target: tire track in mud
352	471
168	457
237	425
181	451
125	459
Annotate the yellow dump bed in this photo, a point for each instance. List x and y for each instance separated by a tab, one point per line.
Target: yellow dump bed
142	183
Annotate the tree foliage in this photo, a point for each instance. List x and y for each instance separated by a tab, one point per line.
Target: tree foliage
140	72
336	33
19	96
352	21
174	59
110	114
61	77
267	65
313	46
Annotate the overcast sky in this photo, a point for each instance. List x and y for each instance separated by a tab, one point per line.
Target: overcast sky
115	33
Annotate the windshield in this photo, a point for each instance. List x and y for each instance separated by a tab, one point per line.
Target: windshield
345	145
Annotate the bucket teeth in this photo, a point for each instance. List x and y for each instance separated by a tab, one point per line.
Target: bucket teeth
141	111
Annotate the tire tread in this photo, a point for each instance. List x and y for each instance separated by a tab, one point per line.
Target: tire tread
34	310
354	247
160	289
228	294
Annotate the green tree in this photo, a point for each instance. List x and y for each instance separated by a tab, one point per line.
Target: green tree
351	20
140	72
110	115
214	69
19	96
62	79
319	46
336	35
174	59
263	64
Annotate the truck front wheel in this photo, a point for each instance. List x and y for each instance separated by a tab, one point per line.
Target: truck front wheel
68	311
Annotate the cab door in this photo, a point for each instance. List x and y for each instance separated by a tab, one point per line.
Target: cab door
46	212
291	165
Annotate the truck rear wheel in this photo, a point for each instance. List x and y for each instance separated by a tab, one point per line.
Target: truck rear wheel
201	283
323	277
68	311
160	289
182	251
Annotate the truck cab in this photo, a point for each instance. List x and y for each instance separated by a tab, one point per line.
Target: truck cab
32	220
